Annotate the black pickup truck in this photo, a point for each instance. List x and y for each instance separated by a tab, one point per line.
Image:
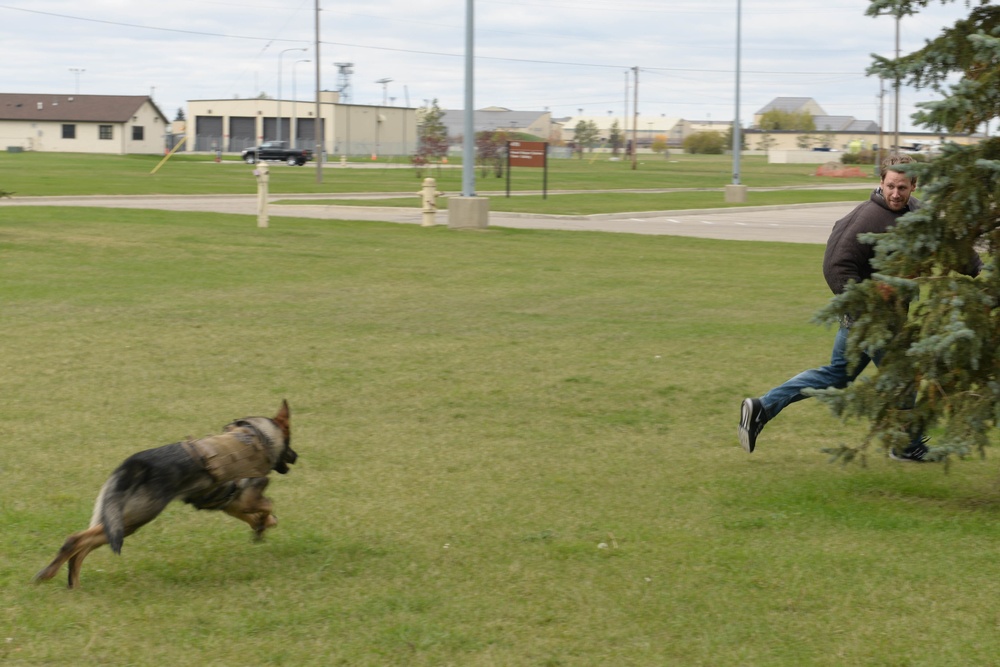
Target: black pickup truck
277	151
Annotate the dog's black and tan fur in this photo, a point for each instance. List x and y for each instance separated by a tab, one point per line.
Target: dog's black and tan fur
227	472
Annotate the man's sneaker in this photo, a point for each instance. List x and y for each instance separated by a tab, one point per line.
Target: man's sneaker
752	420
916	453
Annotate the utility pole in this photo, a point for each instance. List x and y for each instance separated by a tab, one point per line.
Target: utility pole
77	71
468	122
881	103
294	130
737	137
279	85
318	152
625	117
736	192
899	14
635	119
385	90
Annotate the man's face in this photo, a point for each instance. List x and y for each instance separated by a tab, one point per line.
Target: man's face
896	188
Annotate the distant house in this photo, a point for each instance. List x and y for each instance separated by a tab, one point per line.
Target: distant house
112	124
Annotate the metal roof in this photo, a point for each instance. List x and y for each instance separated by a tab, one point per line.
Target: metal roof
789	104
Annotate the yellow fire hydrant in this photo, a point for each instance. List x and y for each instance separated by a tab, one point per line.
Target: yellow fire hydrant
263	175
428	201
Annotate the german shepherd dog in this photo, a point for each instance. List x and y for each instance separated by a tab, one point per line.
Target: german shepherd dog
225	472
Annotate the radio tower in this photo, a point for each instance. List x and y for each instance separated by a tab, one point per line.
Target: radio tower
344	72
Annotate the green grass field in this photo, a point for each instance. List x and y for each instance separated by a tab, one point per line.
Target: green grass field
516	448
37	174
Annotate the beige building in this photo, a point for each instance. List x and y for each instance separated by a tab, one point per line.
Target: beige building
231	125
112	124
499	119
643	128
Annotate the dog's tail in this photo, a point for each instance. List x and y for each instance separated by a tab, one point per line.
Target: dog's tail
109	509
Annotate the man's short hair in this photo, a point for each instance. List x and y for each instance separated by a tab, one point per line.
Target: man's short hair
893	161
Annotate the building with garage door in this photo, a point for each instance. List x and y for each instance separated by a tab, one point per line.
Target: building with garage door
232	125
113	124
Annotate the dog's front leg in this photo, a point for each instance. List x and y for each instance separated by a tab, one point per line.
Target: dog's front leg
252	507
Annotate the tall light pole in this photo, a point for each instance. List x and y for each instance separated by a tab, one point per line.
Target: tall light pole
468	118
318	129
77	71
737	136
293	131
385	89
469	211
279	85
625	118
736	192
635	120
899	14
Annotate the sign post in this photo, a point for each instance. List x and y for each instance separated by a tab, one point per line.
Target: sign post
529	154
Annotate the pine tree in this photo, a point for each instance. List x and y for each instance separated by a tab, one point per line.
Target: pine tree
940	329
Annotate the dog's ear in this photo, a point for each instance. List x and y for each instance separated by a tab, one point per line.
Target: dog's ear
284	416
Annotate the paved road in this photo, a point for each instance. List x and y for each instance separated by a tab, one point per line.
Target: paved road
804	223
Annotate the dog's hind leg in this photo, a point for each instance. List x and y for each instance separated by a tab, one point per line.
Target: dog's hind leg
92	538
252	507
74	549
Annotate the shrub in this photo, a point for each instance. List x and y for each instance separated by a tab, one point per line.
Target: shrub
861	157
705	143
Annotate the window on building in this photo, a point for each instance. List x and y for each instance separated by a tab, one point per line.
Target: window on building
138	133
105	132
69	131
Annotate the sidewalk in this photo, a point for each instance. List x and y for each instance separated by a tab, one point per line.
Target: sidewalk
803	223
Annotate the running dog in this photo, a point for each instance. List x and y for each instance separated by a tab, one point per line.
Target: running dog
225	472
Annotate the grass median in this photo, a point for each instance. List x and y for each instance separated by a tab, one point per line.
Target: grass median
607	202
53	174
517	448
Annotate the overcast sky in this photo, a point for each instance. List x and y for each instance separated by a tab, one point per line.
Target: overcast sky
560	55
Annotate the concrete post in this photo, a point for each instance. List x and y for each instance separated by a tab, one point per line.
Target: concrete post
736	194
468	212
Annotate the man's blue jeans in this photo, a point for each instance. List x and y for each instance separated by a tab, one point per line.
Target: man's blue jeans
835	375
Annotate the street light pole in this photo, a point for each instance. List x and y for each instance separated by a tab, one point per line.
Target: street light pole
385	89
293	131
279	85
77	71
635	120
736	192
318	123
468	122
737	137
898	16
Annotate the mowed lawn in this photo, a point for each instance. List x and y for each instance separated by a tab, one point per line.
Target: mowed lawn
516	448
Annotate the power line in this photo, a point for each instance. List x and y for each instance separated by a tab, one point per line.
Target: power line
420	52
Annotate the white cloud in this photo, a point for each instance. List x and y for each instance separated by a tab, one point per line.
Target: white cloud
561	54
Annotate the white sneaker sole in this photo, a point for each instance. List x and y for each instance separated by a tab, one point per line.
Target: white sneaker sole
746	413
